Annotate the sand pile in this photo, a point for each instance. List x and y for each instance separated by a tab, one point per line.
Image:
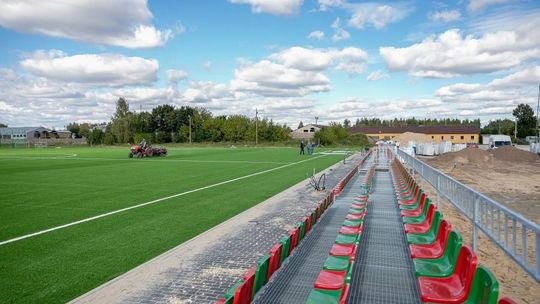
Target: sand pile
404	138
466	156
513	154
491	158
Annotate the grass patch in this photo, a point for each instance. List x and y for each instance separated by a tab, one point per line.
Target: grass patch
43	188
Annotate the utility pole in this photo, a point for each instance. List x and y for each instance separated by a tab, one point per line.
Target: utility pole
256	127
538	123
316	119
515	130
190	129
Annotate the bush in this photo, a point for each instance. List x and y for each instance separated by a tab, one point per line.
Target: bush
336	134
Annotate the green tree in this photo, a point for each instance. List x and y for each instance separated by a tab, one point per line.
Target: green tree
3	125
499	126
300	125
236	128
109	138
121	126
526	122
96	137
74	128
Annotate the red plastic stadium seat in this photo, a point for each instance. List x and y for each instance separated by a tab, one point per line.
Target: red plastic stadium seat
412	192
506	300
294	233
425	226
418	196
350	230
355	217
358	206
343	250
308	224
275	260
344	294
415	212
330	279
244	292
454	288
436	249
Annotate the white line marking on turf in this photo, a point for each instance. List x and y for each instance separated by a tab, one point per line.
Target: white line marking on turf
146	160
151	202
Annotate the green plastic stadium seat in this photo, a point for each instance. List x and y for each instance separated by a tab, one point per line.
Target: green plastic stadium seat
346	239
319	296
443	266
484	289
336	263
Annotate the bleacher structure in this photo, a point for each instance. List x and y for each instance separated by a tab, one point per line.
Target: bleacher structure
376	238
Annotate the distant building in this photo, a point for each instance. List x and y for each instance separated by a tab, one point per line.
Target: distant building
30	133
456	134
24	132
307	132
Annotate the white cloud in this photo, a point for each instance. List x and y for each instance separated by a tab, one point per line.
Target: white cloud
478	5
206	91
452	53
98	70
445	16
499	96
339	33
316	35
327	4
207	65
321	59
174	76
353	108
506	88
276	7
296	71
375	14
271	79
125	23
377	75
378	15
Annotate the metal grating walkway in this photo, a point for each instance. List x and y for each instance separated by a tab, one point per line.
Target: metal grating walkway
294	281
383	272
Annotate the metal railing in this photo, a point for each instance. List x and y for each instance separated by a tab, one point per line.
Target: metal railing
511	231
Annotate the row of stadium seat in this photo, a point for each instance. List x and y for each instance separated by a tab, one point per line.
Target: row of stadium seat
446	270
244	290
332	283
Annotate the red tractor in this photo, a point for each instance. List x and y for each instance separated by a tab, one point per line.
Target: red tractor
148	151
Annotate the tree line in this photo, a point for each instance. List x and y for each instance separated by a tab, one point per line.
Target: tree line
401	122
166	124
526	123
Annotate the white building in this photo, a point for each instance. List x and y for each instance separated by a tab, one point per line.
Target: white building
307	132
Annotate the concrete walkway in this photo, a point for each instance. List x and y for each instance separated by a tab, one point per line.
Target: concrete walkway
203	269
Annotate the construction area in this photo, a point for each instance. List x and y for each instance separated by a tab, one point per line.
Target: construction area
372	238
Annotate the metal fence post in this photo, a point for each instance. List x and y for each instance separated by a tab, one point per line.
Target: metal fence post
437	191
537	254
474	232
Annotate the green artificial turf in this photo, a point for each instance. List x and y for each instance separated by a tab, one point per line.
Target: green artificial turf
44	188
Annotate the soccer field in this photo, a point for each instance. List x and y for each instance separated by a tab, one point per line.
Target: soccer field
74	218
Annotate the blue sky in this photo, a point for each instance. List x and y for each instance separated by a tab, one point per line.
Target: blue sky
64	61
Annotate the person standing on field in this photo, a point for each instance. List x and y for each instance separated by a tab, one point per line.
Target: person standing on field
302	147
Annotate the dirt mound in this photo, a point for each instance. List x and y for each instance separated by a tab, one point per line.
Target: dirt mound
503	158
404	138
466	156
514	154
